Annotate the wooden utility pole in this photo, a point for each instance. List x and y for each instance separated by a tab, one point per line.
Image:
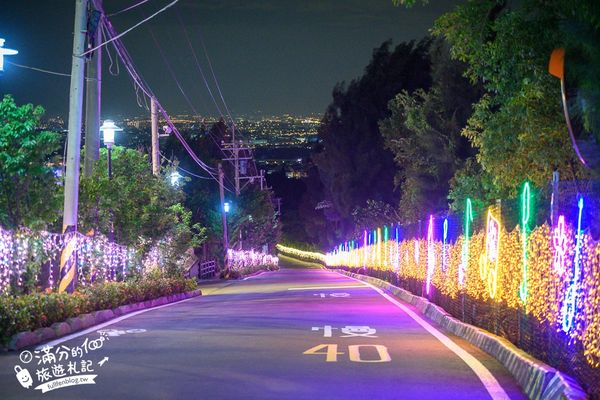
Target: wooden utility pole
75	108
155	143
68	256
93	105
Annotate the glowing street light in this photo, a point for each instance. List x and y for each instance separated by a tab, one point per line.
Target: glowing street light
5	52
226	207
175	176
108	130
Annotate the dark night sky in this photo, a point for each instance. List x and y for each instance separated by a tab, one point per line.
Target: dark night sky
273	56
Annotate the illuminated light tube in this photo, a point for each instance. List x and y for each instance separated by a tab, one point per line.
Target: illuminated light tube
525	216
430	254
465	248
302	254
569	306
489	262
559	241
444	244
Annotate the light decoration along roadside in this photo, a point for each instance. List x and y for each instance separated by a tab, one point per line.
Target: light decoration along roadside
525	217
569	306
489	262
464	262
445	245
430	254
559	242
561	267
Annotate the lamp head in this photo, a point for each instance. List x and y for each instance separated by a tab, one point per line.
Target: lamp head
108	130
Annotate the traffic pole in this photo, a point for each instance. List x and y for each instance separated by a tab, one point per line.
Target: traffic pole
155	143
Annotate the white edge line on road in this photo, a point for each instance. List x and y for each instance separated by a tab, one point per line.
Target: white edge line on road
254	276
107	323
328	287
485	376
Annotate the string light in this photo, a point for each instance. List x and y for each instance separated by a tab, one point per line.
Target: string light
559	241
465	247
430	254
489	262
525	215
569	307
444	243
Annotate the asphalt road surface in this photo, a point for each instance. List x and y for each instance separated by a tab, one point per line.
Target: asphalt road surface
293	334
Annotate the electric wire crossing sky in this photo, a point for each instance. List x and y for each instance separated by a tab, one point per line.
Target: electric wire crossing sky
5	52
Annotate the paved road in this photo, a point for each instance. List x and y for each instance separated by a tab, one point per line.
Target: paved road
292	334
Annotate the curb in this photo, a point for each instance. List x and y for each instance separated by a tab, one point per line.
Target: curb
83	321
538	380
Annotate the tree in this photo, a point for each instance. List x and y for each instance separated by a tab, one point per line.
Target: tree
375	214
30	194
423	133
254	217
352	162
142	207
517	125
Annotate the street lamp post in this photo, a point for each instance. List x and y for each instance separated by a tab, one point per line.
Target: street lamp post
226	208
108	130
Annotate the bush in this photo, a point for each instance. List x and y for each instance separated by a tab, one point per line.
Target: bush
38	310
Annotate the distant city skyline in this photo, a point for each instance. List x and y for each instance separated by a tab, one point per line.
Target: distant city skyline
270	56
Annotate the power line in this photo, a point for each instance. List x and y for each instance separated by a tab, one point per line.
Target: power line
112	39
128	8
46	71
128	63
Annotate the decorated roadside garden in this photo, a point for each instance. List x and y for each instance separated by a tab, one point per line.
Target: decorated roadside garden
107	276
536	285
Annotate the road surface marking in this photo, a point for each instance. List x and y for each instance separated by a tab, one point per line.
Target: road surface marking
331	352
327	287
382	351
107	323
485	376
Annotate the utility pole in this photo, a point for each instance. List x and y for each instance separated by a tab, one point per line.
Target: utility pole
68	256
93	106
223	214
155	145
239	155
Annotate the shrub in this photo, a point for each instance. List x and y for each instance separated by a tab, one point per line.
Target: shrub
32	311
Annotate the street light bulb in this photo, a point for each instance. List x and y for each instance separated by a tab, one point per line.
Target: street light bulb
5	52
108	130
175	176
226	207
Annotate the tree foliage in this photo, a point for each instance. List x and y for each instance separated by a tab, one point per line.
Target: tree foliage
517	126
353	164
29	191
143	208
423	132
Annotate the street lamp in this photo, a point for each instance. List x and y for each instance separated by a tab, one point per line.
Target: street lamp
224	212
108	130
174	177
5	52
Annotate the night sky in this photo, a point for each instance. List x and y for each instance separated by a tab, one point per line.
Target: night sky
270	56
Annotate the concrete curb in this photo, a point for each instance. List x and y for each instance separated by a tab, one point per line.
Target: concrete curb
83	321
538	380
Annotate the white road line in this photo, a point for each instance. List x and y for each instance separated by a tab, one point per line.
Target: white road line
485	376
327	287
107	323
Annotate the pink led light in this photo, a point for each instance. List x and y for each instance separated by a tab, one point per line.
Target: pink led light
559	240
430	254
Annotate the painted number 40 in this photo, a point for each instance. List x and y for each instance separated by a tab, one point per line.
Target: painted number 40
330	351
